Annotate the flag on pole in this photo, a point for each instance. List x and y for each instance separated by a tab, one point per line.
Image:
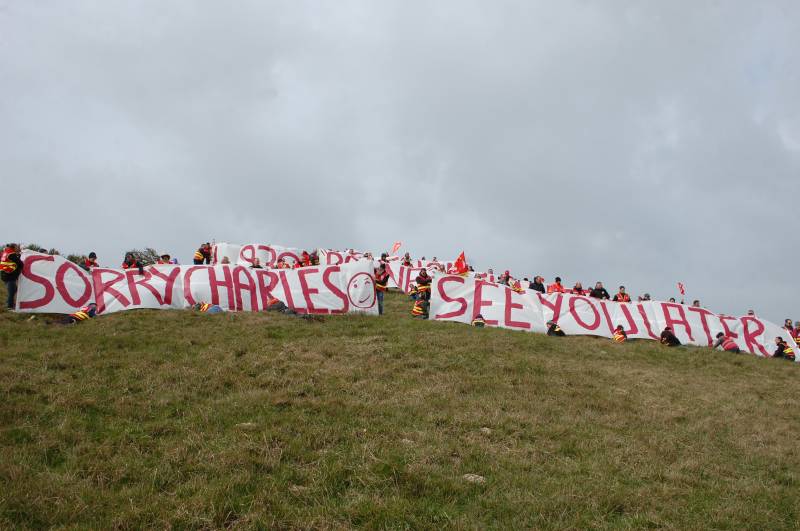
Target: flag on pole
396	247
681	288
459	266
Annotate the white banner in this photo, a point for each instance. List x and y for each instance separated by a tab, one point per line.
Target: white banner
403	276
52	284
456	298
244	255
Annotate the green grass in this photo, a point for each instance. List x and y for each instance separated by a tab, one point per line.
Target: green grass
177	419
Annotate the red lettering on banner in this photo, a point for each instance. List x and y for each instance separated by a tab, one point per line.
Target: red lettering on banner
289	254
554	307
634	328
265	290
288	292
247	253
326	279
595	324
646	321
704	320
169	281
750	337
722	319
308	291
187	284
511	306
329	258
248	286
460	300
62	288
665	307
101	288
27	272
479	303
215	284
135	280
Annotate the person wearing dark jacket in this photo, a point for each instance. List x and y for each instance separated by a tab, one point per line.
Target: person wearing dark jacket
381	283
783	350
131	262
537	284
668	338
554	330
599	292
202	255
10	269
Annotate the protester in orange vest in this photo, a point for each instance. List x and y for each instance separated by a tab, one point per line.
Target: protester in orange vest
381	281
305	259
205	307
424	285
90	262
556	286
10	269
203	254
85	313
282	264
783	350
622	296
796	332
420	309
726	343
554	330
619	334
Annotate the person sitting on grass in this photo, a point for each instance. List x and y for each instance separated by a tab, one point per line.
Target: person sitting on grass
554	330
668	338
726	343
84	314
619	334
205	307
479	321
783	350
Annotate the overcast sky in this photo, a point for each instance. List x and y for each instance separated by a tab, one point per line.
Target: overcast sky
632	142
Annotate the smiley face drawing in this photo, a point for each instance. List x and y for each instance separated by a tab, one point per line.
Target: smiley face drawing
361	291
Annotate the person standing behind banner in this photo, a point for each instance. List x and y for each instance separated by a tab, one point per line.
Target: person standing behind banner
256	263
555	287
131	262
90	262
407	260
538	284
381	282
164	259
577	289
622	296
599	292
203	254
10	269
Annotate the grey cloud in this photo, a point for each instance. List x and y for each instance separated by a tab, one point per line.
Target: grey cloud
632	142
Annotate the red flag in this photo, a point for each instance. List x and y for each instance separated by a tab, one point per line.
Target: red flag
396	247
681	288
460	265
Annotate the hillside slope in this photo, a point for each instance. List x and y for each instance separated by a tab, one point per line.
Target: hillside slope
173	418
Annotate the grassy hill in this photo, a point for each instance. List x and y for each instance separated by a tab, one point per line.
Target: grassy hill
177	419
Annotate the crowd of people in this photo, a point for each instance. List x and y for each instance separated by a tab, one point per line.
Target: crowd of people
11	267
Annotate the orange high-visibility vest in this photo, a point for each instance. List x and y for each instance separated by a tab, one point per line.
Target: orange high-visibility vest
619	336
6	265
418	308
